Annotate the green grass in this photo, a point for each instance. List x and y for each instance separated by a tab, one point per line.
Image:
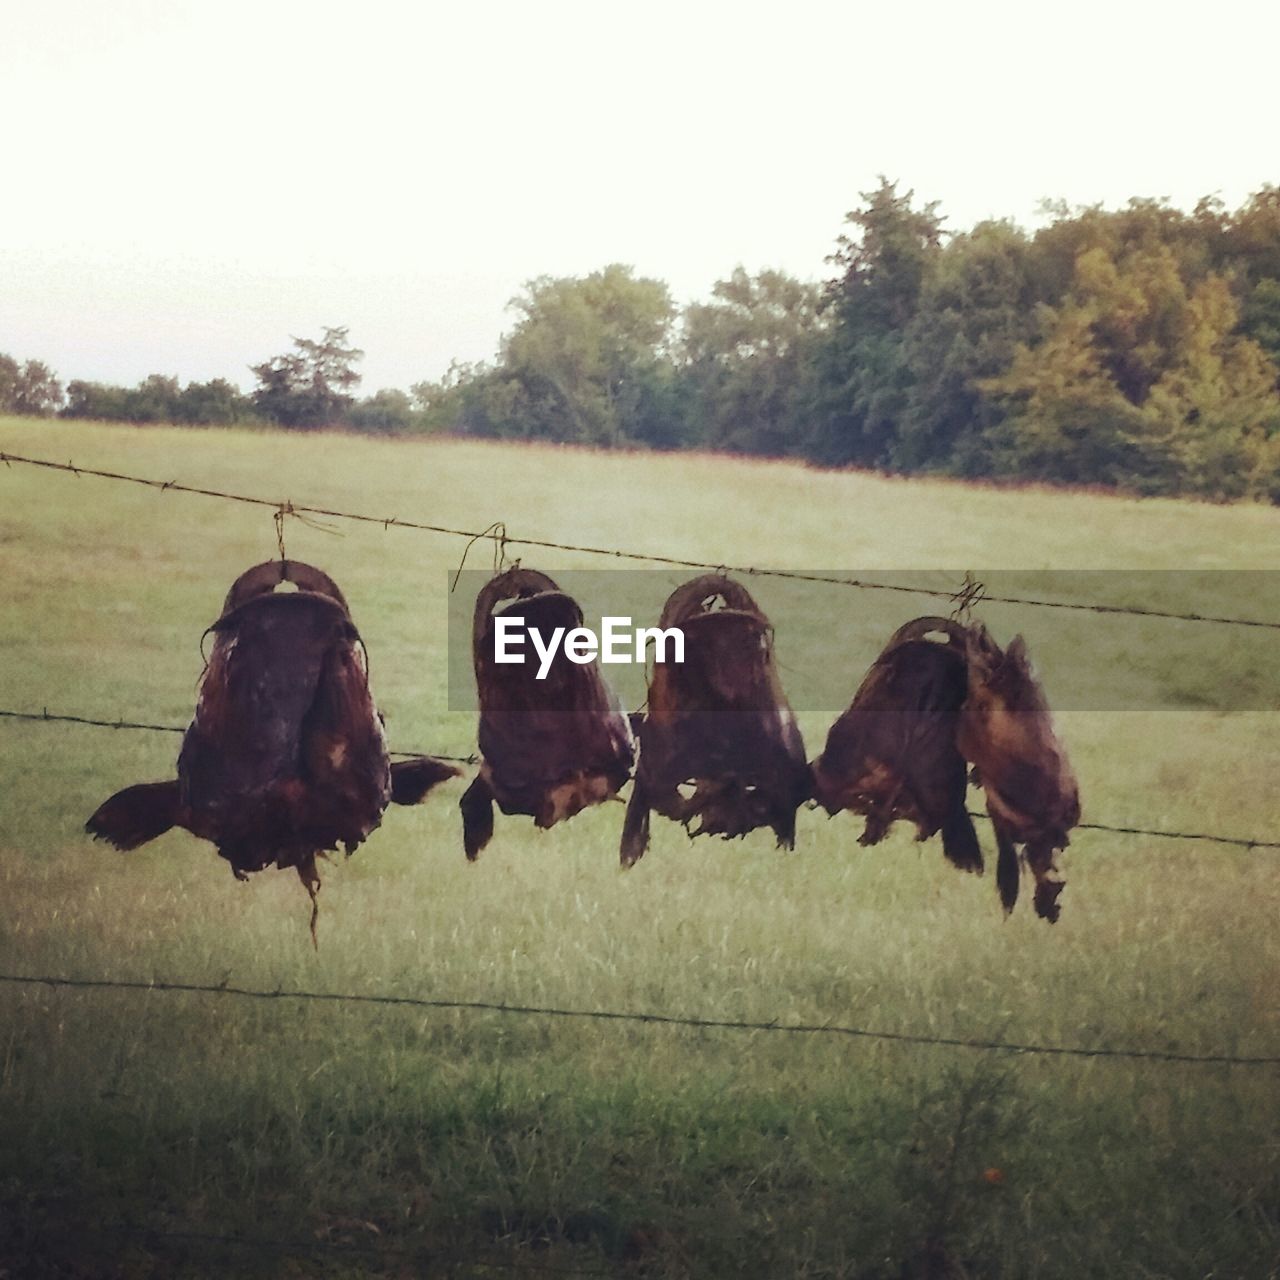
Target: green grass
138	1129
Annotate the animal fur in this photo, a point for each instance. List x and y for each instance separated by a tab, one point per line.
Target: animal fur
285	757
549	748
893	753
926	710
1006	731
719	744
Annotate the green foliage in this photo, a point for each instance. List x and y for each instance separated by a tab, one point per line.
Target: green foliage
29	389
974	307
310	386
1133	347
1141	379
1260	317
215	403
386	410
587	362
864	365
1136	347
160	399
747	357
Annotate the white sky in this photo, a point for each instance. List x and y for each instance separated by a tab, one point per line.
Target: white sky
187	183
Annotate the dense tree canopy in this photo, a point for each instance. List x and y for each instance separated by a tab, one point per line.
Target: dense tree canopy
30	388
311	385
1136	347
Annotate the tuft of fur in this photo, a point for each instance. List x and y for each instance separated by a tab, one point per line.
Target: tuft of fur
136	815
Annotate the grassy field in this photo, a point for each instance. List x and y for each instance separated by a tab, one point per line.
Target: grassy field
148	1134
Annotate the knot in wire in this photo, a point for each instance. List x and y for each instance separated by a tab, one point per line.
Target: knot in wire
284	509
971	593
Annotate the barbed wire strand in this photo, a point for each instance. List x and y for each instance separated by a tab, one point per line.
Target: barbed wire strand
1243	842
660	1019
46	715
497	533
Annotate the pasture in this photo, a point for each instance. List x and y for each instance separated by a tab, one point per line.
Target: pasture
159	1133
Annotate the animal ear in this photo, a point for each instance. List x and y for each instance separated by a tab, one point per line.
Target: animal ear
1017	651
981	651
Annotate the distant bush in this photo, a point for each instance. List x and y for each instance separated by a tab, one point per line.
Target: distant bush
160	399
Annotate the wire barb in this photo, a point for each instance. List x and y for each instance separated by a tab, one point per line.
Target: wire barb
971	594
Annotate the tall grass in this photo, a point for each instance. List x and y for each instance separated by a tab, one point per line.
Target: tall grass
139	1130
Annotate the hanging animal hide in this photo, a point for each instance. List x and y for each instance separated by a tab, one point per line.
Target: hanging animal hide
549	747
718	742
286	755
926	710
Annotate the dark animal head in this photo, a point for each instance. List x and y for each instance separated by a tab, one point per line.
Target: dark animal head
1006	729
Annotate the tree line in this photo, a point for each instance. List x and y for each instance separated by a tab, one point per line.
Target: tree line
1137	348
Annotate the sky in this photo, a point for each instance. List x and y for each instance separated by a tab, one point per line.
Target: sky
190	183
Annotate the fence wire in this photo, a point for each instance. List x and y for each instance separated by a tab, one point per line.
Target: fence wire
773	1026
497	533
1243	842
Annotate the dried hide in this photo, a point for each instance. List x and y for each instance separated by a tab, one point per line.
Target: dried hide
893	754
925	710
551	747
286	756
718	741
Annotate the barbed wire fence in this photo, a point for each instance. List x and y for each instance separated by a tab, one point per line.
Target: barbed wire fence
1243	842
772	1026
501	539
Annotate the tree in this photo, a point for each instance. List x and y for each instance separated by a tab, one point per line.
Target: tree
30	389
95	401
386	410
975	305
215	403
1141	379
747	361
310	386
864	372
154	399
585	357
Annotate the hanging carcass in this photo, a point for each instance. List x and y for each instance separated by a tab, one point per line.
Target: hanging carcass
894	753
718	741
286	756
554	739
1006	732
927	709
